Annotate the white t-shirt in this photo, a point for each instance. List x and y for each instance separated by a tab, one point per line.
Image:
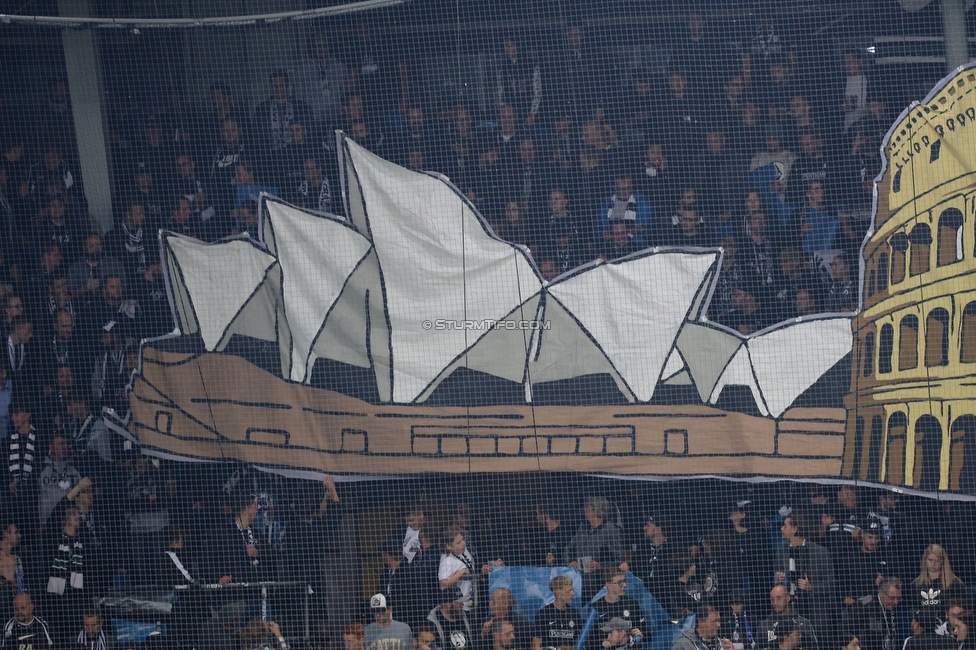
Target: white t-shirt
450	563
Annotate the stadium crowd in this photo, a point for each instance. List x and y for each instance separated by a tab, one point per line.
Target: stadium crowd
742	152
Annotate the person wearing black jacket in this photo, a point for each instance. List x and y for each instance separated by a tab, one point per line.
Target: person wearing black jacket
654	565
242	556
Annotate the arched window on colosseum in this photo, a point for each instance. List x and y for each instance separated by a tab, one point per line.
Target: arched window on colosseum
858	446
967	334
920	253
950	237
899	248
867	367
928	453
882	272
962	467
874	449
937	338
895	457
886	346
908	343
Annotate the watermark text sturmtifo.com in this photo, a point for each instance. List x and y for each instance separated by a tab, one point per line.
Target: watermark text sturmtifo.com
486	324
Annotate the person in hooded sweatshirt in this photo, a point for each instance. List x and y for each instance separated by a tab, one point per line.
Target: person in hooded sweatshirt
705	635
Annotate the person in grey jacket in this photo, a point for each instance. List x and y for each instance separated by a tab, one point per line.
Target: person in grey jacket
705	635
807	572
597	545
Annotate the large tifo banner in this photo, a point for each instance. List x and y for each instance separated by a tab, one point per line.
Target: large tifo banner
414	290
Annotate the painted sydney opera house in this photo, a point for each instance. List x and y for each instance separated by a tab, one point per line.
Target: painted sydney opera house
415	287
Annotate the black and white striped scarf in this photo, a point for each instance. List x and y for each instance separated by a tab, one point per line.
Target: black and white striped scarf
622	210
97	642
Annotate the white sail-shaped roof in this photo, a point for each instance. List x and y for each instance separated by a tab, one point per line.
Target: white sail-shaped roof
633	308
212	283
439	264
786	364
317	254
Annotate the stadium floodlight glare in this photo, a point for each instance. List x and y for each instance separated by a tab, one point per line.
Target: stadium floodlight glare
220	21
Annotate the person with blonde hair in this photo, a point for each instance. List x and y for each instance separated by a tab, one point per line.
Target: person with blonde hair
936	583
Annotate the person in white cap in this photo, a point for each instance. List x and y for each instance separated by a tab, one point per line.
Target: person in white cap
384	633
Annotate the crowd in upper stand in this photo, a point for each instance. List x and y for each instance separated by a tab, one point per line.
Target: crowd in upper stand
568	156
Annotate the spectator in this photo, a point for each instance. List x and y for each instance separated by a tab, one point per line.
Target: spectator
274	116
598	544
866	567
456	562
842	291
557	624
500	605
690	230
812	224
113	364
181	219
310	542
322	81
385	633
936	584
718	173
146	509
21	355
86	275
807	572
528	183
56	226
66	588
53	174
502	637
620	242
654	565
195	190
620	636
113	306
855	89
20	459
514	226
451	623
924	637
145	191
12	577
47	266
564	237
660	179
25	631
224	156
353	635
92	635
56	479
553	535
64	349
403	542
6	397
770	169
518	80
617	604
705	634
812	164
424	636
783	629
243	555
628	207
